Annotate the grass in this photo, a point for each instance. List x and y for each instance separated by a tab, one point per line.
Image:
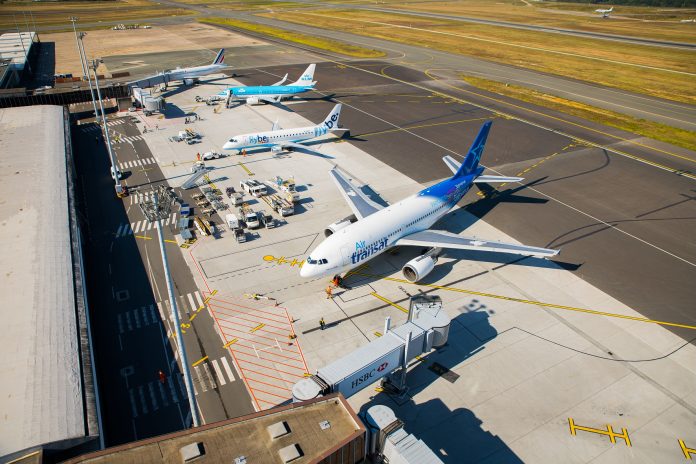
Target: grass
667	27
291	36
57	13
675	136
567	56
247	5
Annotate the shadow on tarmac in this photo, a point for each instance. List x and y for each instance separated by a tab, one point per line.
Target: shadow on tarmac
130	342
456	436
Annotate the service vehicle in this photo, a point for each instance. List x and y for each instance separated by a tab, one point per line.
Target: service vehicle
239	235
280	205
266	220
185	211
232	221
250	217
201	226
210	155
253	187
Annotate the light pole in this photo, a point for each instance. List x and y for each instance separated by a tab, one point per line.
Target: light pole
83	61
114	169
156	211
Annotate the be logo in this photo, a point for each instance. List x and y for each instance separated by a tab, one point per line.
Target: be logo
382	367
261	139
332	121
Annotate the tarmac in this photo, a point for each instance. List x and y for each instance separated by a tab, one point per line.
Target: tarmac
536	349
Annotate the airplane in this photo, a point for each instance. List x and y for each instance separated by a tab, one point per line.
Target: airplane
374	229
254	95
189	75
604	12
279	139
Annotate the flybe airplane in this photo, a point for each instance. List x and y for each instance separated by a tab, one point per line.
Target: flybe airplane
374	229
253	95
604	12
188	75
279	139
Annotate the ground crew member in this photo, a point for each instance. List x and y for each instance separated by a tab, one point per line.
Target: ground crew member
162	376
329	292
198	156
244	152
322	324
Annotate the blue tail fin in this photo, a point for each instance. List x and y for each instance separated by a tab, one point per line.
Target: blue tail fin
474	156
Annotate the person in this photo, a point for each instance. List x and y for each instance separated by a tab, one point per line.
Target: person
329	292
244	152
198	156
322	324
162	376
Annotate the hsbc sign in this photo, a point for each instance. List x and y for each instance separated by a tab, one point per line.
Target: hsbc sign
369	374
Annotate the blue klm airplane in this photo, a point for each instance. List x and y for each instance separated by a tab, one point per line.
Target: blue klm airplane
253	95
374	229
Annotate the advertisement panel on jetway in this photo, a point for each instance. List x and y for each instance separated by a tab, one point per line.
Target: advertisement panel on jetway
370	373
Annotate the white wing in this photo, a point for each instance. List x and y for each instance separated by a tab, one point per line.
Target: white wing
454	167
360	203
442	239
280	82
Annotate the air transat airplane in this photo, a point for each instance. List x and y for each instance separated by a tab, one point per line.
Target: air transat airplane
373	229
253	95
279	139
189	75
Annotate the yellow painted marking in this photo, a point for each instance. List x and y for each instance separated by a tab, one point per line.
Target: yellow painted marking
170	241
199	361
378	334
230	343
379	389
258	327
20	459
143	237
687	451
609	432
213	293
530	302
193	316
307	374
380	297
246	169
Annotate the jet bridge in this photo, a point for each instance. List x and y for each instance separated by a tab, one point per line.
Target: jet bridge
427	328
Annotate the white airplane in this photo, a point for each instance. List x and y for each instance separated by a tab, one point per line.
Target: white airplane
604	12
255	94
374	229
279	139
189	75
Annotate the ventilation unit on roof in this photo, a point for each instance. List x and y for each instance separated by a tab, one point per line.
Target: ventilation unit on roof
192	451
278	429
290	453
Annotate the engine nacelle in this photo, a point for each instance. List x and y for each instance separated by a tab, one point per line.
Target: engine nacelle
253	101
419	267
338	225
276	149
188	81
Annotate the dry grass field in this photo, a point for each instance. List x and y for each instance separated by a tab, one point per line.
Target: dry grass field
662	72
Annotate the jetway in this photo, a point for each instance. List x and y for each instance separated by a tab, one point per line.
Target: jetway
147	101
151	81
427	328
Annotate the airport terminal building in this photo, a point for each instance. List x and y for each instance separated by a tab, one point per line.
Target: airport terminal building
48	396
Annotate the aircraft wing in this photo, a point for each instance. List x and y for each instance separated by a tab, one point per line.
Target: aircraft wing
360	203
267	99
305	148
454	167
280	82
442	239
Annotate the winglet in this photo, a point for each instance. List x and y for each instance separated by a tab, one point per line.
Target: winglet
474	156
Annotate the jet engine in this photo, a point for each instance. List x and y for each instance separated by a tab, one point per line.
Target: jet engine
253	101
190	81
338	225
276	149
419	267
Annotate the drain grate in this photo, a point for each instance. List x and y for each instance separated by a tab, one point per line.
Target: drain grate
444	372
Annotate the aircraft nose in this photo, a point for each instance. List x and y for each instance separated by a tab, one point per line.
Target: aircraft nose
306	270
227	146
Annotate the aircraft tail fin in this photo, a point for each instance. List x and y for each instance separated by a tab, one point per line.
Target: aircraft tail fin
220	57
307	77
331	121
474	156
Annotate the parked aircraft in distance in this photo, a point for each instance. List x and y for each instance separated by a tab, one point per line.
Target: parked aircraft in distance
604	12
253	95
279	139
189	75
374	229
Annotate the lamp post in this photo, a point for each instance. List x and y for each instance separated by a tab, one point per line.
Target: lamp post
83	61
115	171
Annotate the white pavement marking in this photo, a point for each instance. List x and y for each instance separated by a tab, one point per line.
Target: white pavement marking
152	313
227	368
141	393
149	225
136	229
120	323
201	381
128	322
136	316
193	303
153	398
199	298
175	397
218	372
134	407
146	321
163	394
161	311
213	384
120	230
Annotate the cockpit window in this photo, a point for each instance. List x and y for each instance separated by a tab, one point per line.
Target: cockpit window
323	261
233	140
316	261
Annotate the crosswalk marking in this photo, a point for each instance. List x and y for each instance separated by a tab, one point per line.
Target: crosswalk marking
134	407
186	304
142	316
218	372
213	384
143	403
201	380
152	313
163	394
136	229
145	319
227	368
153	398
136	316
175	397
190	297
121	229
128	322
120	324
